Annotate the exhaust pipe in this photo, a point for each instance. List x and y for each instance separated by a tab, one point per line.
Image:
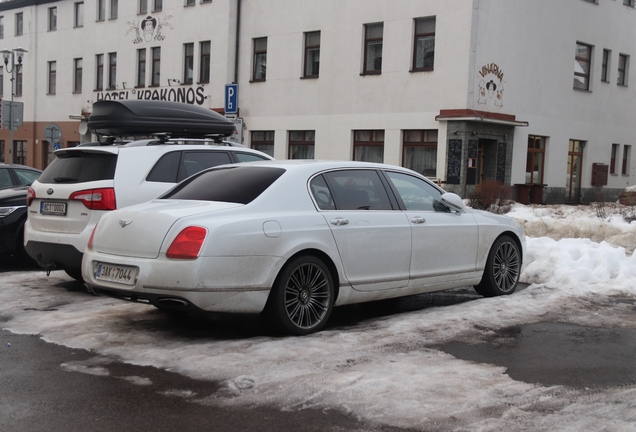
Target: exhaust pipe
91	290
172	302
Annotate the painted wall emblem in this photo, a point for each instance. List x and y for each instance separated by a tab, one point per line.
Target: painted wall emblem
149	29
491	85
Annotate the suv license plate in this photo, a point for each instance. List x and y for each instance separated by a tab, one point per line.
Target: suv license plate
116	273
53	208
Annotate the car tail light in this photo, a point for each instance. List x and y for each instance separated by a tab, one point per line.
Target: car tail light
96	199
89	246
30	196
187	244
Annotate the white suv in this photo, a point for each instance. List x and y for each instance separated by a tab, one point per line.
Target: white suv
83	183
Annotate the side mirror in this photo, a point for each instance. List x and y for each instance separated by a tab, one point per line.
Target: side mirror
453	202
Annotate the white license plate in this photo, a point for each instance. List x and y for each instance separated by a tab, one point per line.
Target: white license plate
53	208
116	273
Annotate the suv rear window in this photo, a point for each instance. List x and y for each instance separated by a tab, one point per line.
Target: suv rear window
234	184
80	167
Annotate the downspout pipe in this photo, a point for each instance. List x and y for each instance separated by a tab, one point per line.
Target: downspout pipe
236	47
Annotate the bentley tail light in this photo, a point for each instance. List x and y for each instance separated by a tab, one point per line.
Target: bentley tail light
187	244
30	196
96	199
89	246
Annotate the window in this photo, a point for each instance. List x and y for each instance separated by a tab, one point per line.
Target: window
142	7
627	151
190	2
99	72
157	5
114	9
204	62
628	3
2	151
424	44
206	1
1	27
52	72
535	159
373	48
18	82
141	67
112	71
614	155
260	59
356	190
312	54
368	145
582	60
1	81
573	178
188	63
301	144
77	75
416	194
19	24
605	65
52	26
156	66
20	152
101	10
263	141
419	149
623	64
78	18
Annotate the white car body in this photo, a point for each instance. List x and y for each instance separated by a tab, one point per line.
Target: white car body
58	241
371	254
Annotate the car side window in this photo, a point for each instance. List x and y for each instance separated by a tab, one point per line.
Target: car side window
321	193
166	168
5	178
195	161
415	193
248	157
358	190
27	177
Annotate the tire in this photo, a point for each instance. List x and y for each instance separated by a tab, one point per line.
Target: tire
302	296
503	268
75	273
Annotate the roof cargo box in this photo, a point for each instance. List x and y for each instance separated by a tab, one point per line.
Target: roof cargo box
147	117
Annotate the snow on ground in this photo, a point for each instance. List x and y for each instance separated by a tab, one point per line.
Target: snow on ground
383	370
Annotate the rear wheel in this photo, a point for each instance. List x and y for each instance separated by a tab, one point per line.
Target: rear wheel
75	273
503	268
302	297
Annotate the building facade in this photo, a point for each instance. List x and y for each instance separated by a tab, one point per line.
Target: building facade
531	93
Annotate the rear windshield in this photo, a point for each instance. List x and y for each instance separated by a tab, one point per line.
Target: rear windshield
80	167
234	184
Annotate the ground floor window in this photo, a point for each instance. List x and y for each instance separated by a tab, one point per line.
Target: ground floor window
613	156
20	152
301	144
419	151
2	151
263	141
368	145
535	159
627	151
573	178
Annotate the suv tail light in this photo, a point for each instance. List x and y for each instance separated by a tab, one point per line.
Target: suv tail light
187	244
96	199
30	196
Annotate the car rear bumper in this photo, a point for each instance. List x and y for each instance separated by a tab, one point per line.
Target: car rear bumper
54	255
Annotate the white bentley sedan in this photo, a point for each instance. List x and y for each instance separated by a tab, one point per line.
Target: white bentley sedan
293	239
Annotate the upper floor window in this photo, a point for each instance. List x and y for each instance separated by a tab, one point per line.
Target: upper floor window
301	144
605	66
188	63
190	2
78	18
52	25
582	60
101	10
1	81
19	24
260	59
628	3
424	44
156	67
77	75
141	67
112	71
142	7
99	72
623	64
312	54
373	48
52	72
368	145
114	9
204	62
1	27
18	82
157	5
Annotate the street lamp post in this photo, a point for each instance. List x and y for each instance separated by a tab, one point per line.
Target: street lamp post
11	54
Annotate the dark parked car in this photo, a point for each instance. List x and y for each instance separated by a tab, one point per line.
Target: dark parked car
14	183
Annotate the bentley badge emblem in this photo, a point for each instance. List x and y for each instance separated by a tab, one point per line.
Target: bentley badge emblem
124	223
49	191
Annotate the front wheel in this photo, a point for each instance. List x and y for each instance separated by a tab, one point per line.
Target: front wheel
302	297
503	268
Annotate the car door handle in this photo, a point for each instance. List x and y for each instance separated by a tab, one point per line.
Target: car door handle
418	220
339	221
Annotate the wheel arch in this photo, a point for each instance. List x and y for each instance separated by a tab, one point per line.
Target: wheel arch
333	270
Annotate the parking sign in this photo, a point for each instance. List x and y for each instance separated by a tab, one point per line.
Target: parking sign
231	98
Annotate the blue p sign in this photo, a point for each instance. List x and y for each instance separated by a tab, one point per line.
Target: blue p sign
231	98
